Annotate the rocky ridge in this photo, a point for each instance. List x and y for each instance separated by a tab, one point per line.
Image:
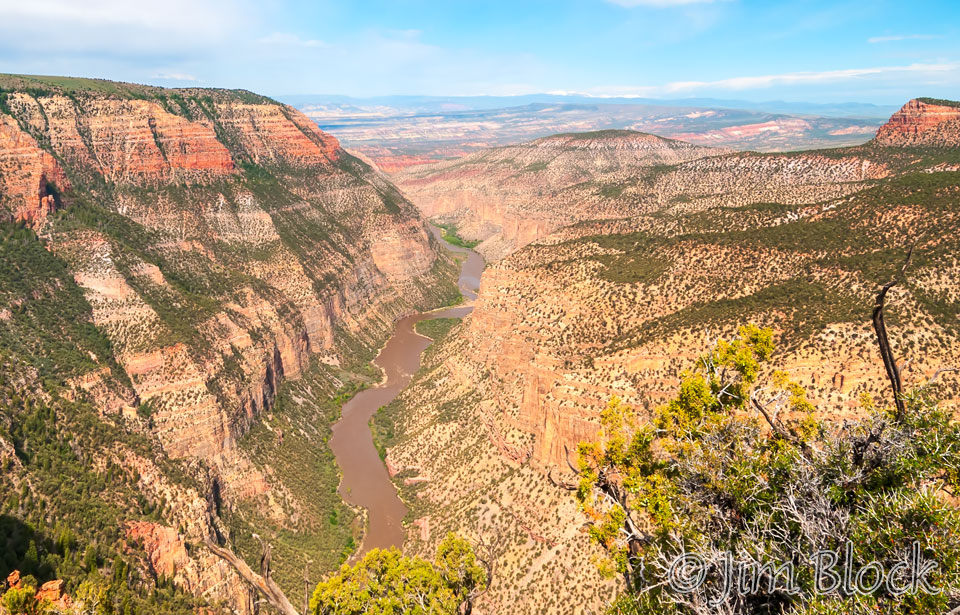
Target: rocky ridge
512	196
222	244
923	122
622	306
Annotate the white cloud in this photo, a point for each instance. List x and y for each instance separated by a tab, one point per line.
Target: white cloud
786	79
174	77
117	27
290	40
902	37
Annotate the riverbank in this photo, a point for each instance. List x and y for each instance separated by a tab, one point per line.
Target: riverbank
365	481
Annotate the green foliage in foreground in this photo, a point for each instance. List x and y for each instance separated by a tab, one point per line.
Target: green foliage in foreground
709	478
385	582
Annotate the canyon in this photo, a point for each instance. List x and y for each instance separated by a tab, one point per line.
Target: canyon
365	480
587	304
199	286
509	197
224	247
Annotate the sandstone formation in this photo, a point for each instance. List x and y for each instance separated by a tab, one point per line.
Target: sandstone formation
516	195
28	174
52	592
222	243
923	122
623	304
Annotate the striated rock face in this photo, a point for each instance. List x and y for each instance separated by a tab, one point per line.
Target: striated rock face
123	140
27	172
622	306
222	242
923	122
203	575
513	196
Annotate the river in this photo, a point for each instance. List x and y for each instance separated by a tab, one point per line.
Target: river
365	480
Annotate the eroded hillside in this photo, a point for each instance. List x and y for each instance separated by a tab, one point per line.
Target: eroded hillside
512	196
622	307
214	248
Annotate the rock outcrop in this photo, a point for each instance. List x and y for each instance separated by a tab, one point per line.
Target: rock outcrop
622	306
53	593
923	122
513	196
222	242
30	175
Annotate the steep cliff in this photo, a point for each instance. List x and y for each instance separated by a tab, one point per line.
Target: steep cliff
222	246
798	242
923	122
516	195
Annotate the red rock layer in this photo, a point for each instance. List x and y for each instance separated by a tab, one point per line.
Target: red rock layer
26	171
274	133
53	592
921	123
123	140
204	574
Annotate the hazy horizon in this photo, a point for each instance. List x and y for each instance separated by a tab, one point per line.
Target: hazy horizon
817	52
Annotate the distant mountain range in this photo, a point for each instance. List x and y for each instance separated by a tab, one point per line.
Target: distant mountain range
396	132
412	104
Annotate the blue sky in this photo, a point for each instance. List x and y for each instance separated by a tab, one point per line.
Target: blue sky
868	50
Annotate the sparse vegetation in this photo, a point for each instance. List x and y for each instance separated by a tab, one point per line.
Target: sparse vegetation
707	476
436	328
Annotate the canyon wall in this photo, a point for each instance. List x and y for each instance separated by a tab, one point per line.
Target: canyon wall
512	196
223	242
623	306
923	122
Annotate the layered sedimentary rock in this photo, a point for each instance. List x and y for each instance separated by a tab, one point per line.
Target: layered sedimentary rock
513	196
923	122
28	172
623	306
221	241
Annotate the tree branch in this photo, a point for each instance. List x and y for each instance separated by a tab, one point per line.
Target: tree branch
889	361
270	590
562	485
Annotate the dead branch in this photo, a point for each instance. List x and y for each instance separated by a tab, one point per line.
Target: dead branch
264	584
560	484
889	361
566	457
942	370
774	425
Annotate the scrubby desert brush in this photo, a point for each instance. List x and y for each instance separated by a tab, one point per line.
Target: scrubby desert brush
733	477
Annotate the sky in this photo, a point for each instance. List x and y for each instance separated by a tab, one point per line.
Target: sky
876	51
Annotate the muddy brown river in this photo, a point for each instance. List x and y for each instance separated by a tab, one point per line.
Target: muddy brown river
365	481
